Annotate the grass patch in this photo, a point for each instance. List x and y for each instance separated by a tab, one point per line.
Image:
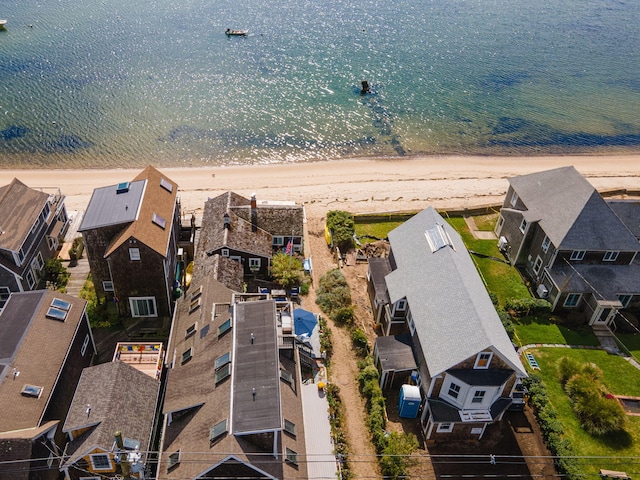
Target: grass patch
500	278
486	223
375	229
632	342
532	330
620	378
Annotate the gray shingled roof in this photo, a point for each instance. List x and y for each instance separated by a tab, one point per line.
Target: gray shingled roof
396	352
606	282
628	212
453	314
108	207
571	212
19	208
121	398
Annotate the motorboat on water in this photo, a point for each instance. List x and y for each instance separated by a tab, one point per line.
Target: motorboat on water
236	33
3	22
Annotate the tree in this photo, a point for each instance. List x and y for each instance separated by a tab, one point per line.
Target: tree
286	269
342	228
55	274
396	456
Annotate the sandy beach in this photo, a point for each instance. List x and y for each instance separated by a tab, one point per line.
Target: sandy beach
357	185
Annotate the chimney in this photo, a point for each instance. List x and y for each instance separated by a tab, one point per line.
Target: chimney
226	221
254	213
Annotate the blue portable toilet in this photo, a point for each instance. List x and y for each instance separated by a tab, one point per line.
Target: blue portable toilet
409	401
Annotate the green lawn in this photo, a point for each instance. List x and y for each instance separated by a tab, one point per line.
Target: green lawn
620	378
532	330
632	342
375	229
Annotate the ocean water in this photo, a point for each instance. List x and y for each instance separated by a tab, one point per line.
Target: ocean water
97	83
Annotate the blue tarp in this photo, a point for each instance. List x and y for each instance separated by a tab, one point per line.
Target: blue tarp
304	322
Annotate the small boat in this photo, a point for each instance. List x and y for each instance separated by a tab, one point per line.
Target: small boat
236	33
3	23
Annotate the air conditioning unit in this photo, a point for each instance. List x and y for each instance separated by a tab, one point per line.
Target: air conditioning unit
502	244
542	291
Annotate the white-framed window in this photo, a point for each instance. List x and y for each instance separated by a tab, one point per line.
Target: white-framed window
174	459
52	242
483	360
412	325
85	344
191	330
537	265
224	327
500	222
454	390
107	286
35	226
5	293
545	243
100	461
218	430
254	264
610	256
278	241
143	306
31	281
186	355
478	396
289	427
572	299
222	360
624	300
291	456
577	254
224	252
222	373
401	305
444	427
514	199
286	376
134	253
20	257
523	225
38	262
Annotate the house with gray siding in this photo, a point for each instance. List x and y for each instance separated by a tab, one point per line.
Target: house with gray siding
130	232
579	251
33	222
441	330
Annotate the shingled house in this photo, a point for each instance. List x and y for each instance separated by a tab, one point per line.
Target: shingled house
233	405
443	332
579	251
45	342
250	232
32	226
131	231
110	397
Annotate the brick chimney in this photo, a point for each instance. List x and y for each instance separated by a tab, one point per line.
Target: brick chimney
254	213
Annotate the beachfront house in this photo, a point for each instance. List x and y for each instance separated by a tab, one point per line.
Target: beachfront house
32	226
579	251
110	397
250	232
233	403
45	342
441	331
130	231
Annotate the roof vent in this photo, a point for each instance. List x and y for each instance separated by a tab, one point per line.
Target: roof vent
122	187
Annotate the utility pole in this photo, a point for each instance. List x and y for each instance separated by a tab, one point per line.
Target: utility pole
123	457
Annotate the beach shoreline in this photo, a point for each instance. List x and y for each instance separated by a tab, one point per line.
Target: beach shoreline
358	185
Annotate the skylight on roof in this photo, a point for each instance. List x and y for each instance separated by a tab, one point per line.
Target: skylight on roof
166	185
31	391
158	220
57	314
122	187
61	304
437	238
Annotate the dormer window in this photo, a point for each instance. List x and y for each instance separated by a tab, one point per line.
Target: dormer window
483	360
610	256
514	199
523	225
577	254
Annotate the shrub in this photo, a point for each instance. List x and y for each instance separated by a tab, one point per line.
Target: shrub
344	316
600	415
55	274
326	344
336	419
523	307
507	323
286	269
360	342
567	368
342	228
333	292
396	454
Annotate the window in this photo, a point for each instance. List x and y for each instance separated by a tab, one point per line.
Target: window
483	360
289	427
291	456
166	184
577	254
174	459
134	254
278	241
254	264
412	326
56	314
437	238
537	265
444	427
196	293
222	373
191	330
218	430
31	281
38	263
572	299
401	305
195	304
107	286
224	252
225	327
85	344
143	306
31	391
286	376
610	256
454	390
35	226
187	355
122	187
545	244
4	296
100	461
523	225
158	220
478	396
624	300
514	199
222	360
